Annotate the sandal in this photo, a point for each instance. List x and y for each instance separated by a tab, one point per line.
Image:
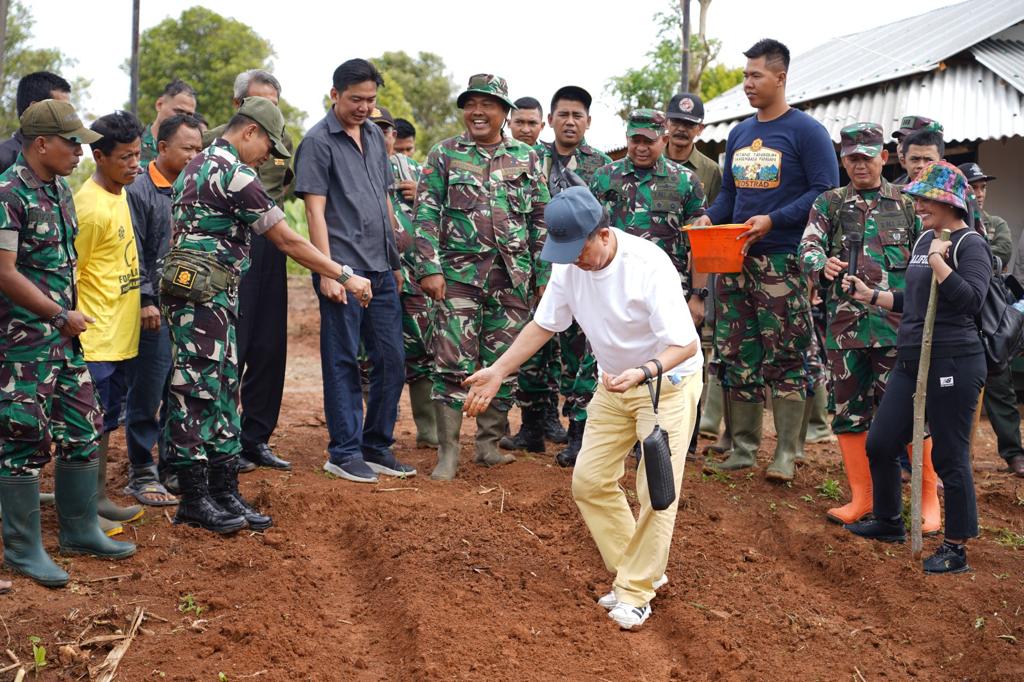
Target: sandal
145	487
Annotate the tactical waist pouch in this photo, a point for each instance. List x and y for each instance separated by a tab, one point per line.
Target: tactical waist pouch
195	276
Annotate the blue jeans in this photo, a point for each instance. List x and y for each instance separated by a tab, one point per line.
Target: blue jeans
148	375
379	328
111	382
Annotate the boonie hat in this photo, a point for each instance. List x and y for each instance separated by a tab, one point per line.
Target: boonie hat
861	138
270	118
686	106
382	116
56	117
571	216
910	124
647	122
486	84
941	181
974	173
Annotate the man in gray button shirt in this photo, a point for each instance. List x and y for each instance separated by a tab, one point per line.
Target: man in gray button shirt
342	174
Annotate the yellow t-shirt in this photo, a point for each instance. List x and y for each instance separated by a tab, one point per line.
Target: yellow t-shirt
108	274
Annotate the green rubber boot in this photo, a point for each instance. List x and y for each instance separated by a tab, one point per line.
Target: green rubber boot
105	507
490	426
76	497
745	423
23	542
789	427
449	424
711	416
819	430
424	414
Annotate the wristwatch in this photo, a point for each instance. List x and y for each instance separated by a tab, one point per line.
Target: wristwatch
60	319
346	274
701	293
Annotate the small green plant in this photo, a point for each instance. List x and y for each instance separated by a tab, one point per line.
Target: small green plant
807	498
188	604
716	475
221	677
38	653
1009	538
979	622
830	489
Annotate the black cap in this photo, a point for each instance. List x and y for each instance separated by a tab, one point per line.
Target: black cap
974	173
686	106
573	92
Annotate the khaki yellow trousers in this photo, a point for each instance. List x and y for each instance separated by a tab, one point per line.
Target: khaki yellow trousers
634	549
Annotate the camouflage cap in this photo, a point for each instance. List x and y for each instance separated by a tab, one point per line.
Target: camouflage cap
486	84
647	122
861	138
910	124
56	117
382	117
270	118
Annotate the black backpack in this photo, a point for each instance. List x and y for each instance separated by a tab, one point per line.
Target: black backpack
1000	325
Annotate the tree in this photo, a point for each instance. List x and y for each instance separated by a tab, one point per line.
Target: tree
207	51
429	90
19	60
654	84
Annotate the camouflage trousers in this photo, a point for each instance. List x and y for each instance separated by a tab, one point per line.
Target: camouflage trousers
579	373
44	404
417	326
203	423
763	329
538	378
859	376
472	328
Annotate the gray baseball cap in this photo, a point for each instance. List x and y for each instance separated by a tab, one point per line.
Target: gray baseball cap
571	216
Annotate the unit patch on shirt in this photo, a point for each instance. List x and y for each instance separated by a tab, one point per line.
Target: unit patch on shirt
757	166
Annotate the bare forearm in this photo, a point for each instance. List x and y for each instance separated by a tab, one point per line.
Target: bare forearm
317	223
530	340
673	356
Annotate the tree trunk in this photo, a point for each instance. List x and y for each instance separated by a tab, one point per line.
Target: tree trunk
5	5
686	70
702	23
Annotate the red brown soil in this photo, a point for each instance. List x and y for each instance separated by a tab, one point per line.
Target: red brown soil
494	576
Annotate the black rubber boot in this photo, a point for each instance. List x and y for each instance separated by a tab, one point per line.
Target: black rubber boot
23	542
76	493
553	429
197	508
567	457
224	491
531	433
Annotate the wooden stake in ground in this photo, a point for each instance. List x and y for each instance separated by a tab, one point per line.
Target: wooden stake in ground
917	454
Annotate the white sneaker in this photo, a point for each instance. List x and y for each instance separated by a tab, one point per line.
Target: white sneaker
630	617
609	601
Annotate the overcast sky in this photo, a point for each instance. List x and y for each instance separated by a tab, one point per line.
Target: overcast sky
537	46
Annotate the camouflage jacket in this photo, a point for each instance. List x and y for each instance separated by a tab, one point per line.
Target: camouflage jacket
38	221
654	204
218	204
275	174
149	149
888	238
474	207
404	215
584	162
999	237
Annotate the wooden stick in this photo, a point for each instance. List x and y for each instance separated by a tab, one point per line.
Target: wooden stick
920	394
105	671
20	675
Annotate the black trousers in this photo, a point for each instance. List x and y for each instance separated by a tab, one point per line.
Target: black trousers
953	387
262	341
1001	407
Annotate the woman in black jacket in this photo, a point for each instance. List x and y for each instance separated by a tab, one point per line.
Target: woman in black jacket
957	371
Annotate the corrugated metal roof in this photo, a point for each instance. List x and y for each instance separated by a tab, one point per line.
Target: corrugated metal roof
969	100
907	47
1005	57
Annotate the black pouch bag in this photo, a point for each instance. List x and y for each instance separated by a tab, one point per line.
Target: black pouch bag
656	453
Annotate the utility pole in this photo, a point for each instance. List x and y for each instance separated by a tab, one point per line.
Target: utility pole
684	80
133	95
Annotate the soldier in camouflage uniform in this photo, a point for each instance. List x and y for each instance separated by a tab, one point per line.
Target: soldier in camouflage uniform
417	307
861	339
47	397
910	124
178	98
218	204
479	230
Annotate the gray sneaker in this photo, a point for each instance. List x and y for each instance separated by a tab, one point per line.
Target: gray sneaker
354	469
386	463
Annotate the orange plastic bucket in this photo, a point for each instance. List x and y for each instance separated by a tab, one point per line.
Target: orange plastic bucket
716	249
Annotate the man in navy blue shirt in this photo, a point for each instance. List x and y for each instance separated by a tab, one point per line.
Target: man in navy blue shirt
776	163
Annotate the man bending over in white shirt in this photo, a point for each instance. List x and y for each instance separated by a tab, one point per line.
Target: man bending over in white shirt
624	292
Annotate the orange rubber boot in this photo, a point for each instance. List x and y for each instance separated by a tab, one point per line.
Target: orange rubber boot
858	475
931	514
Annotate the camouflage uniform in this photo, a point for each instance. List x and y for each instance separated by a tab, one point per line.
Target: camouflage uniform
480	223
999	237
861	339
218	204
417	307
46	393
149	148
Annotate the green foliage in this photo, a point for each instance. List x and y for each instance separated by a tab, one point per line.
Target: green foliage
19	60
392	98
653	84
38	653
295	213
830	489
86	167
1009	538
207	51
429	90
188	604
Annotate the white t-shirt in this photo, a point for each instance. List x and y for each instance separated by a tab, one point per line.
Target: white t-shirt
630	311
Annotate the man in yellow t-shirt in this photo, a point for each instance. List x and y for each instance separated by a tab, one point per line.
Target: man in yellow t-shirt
108	279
